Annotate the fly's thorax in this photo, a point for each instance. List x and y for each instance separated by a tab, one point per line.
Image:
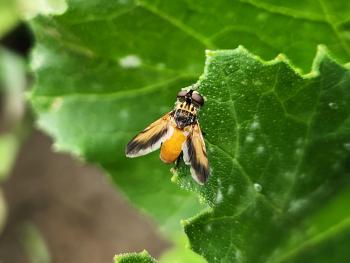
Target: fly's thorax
185	114
185	106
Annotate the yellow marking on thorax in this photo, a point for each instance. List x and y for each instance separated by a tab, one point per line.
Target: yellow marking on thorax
172	147
187	107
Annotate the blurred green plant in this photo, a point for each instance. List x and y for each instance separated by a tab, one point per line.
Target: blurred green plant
34	244
13	11
13	124
142	257
9	16
16	120
13	83
277	140
16	125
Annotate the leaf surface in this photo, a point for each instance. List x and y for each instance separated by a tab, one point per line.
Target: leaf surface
279	151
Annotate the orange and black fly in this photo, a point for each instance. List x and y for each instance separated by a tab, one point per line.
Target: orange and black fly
177	134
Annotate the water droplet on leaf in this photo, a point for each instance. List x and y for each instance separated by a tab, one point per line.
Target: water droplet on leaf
296	205
219	196
238	255
208	228
347	146
230	189
257	82
260	149
257	187
298	151
299	141
255	125
250	138
333	105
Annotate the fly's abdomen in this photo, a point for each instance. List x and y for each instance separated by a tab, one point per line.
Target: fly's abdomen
172	147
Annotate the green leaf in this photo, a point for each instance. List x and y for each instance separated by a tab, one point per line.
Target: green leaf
115	29
142	257
326	230
279	148
108	59
106	69
96	104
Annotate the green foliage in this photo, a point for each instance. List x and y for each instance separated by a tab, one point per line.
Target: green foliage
277	140
93	104
34	244
15	125
12	85
278	146
142	257
13	11
8	152
8	16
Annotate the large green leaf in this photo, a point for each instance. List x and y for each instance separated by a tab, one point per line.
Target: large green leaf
106	69
279	148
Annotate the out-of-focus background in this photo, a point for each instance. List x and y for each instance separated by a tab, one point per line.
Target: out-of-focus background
53	208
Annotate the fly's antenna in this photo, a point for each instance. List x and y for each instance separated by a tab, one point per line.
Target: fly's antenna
189	96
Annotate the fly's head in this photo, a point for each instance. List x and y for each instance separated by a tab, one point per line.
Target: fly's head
189	100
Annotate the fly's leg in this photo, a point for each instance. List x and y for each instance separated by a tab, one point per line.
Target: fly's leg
177	163
178	160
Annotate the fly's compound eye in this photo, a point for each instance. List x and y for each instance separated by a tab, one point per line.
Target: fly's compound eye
182	93
197	98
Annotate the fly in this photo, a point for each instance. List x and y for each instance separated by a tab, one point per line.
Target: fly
177	134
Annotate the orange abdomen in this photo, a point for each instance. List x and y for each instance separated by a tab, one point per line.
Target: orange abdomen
172	147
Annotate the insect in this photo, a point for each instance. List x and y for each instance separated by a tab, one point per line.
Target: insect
178	136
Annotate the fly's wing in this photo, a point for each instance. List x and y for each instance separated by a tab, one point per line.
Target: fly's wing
150	138
195	155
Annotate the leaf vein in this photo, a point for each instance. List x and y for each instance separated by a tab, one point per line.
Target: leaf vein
116	94
177	23
293	13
